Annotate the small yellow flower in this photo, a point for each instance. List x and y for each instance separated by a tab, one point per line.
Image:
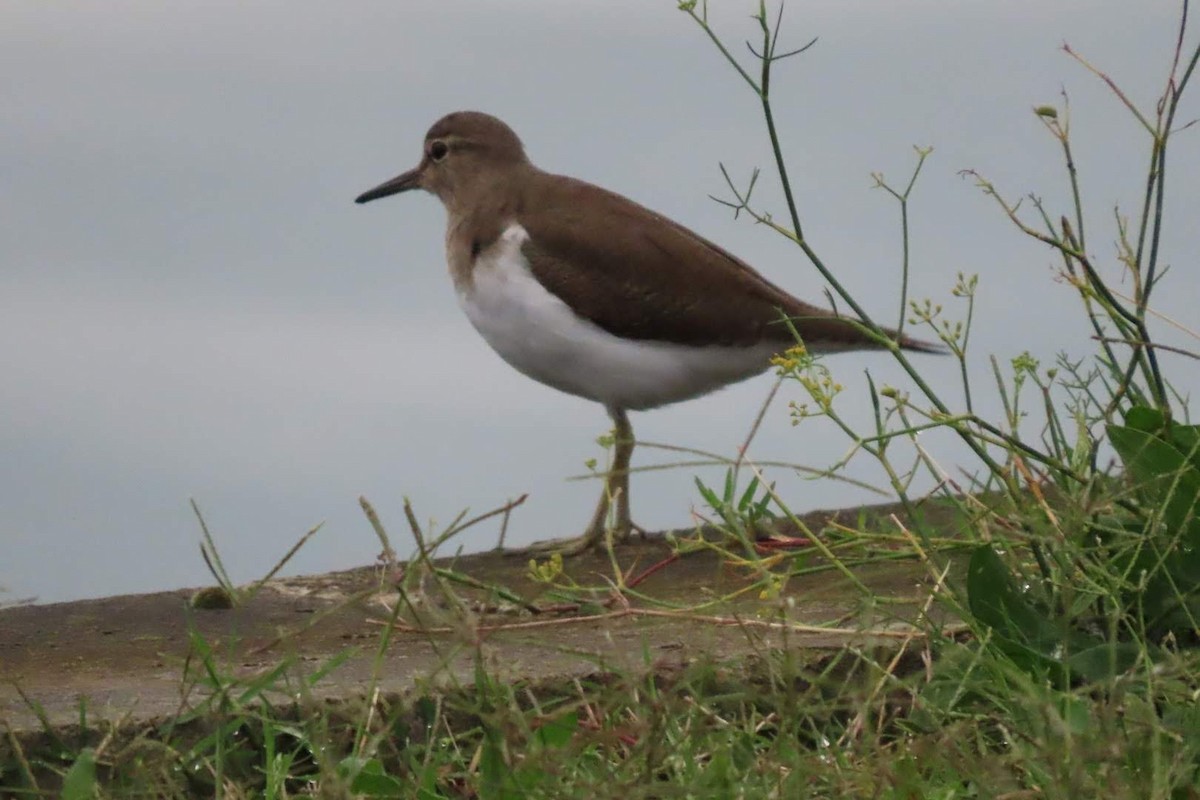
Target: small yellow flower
547	571
790	359
772	589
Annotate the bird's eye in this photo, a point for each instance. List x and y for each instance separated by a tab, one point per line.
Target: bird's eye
438	150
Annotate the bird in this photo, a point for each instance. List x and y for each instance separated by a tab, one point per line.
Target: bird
590	293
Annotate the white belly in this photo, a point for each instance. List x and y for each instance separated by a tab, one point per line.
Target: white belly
541	337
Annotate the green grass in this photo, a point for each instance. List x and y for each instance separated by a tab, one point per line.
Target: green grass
946	719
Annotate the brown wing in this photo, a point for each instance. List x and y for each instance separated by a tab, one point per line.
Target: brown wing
638	275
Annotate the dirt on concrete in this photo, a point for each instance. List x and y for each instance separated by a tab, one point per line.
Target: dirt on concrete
139	657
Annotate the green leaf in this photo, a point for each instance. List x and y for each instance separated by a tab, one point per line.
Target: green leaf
557	732
372	785
80	781
709	495
1163	475
1105	660
369	778
1184	438
1143	418
996	601
523	779
1161	557
427	788
492	768
426	709
1038	642
1076	714
747	499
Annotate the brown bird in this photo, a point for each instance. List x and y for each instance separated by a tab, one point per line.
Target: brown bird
588	292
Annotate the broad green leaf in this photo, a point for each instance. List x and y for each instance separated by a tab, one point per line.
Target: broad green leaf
1185	438
368	777
1039	643
1143	418
1105	660
997	602
1164	476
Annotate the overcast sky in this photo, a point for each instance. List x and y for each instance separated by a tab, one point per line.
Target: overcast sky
191	305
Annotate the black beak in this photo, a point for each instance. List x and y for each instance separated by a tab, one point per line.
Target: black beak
400	183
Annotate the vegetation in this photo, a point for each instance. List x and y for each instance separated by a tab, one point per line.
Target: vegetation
1059	660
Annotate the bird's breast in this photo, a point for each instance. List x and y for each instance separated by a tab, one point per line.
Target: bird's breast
542	337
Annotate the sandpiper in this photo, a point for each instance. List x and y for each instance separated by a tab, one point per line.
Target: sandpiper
586	291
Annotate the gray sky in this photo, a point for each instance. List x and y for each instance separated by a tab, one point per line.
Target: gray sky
192	306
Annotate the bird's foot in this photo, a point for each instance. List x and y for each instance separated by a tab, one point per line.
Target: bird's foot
610	521
594	538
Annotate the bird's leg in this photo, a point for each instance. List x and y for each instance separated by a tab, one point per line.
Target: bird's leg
615	490
616	483
622	456
623	443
